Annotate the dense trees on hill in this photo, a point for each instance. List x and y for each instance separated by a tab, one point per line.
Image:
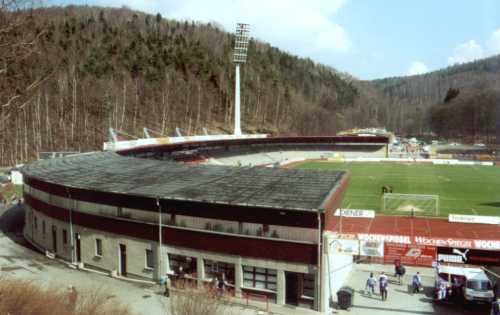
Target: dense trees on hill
68	74
459	89
118	68
472	117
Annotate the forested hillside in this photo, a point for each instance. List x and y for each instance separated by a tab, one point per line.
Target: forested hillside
69	74
89	68
460	101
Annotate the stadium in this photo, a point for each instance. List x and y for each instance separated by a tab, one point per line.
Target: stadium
233	207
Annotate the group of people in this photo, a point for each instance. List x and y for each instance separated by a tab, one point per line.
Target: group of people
446	290
383	281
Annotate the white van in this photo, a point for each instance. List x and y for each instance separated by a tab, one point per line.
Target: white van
473	282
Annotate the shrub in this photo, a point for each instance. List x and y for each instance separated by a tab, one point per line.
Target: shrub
197	301
25	297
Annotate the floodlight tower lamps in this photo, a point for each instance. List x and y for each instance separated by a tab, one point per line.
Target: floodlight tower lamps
239	57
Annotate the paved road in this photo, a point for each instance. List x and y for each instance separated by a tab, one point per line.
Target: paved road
400	301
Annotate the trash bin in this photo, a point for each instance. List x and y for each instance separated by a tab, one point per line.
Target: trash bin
345	297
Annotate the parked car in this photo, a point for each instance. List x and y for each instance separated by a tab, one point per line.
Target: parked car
470	283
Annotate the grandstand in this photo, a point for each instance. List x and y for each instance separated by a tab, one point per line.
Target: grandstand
189	204
143	211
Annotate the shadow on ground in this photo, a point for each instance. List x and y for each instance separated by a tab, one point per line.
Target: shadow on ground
491	204
12	224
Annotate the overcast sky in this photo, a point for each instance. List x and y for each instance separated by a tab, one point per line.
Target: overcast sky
367	38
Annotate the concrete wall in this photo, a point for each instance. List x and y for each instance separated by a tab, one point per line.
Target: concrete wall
107	262
336	269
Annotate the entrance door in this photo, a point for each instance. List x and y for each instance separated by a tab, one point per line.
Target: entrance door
54	239
292	288
123	260
78	248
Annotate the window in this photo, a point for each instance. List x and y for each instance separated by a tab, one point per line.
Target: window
65	237
259	278
479	285
217	268
149	259
98	247
265	228
43	229
188	263
36	223
308	285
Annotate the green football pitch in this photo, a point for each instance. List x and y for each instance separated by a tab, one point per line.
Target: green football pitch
461	189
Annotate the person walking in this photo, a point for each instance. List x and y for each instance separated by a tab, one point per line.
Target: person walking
441	289
370	284
383	284
416	283
399	270
165	282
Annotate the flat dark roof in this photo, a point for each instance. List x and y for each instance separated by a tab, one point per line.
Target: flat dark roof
247	186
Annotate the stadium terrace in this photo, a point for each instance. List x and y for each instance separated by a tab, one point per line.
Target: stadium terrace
215	208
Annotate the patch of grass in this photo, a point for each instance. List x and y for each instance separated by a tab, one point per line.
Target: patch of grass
461	189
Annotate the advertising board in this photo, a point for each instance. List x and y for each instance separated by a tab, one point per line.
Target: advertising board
344	247
373	248
421	255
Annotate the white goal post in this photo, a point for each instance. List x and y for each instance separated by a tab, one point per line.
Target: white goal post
413	204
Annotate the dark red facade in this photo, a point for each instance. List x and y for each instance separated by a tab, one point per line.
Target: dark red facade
227	244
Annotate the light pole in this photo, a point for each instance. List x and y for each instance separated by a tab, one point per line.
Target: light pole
239	57
71	239
160	271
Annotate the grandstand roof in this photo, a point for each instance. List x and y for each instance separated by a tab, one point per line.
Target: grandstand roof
248	186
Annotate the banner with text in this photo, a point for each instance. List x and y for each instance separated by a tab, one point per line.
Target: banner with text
355	213
420	255
482	219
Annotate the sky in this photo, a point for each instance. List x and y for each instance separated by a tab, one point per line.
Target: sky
367	38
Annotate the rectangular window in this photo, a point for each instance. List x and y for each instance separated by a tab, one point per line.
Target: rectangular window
43	229
98	247
215	269
149	259
188	264
308	285
259	278
65	237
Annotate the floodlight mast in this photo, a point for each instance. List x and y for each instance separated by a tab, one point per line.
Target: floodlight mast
239	57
